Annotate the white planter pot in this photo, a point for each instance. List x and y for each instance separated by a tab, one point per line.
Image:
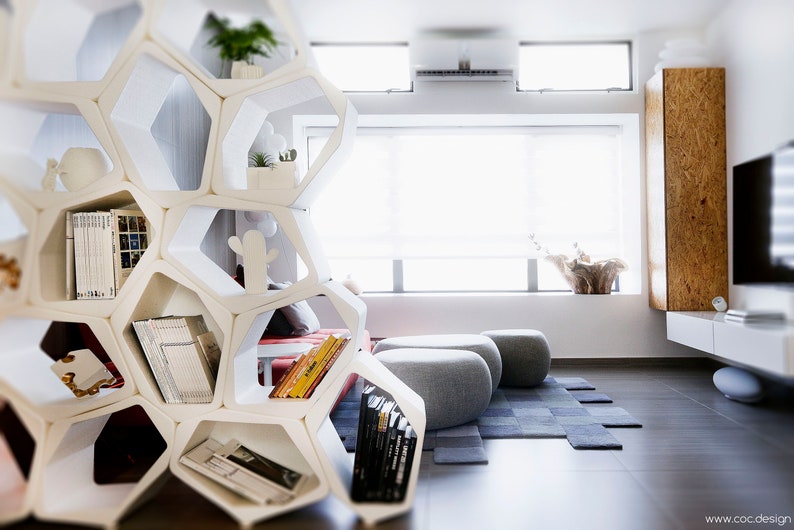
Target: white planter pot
243	70
283	175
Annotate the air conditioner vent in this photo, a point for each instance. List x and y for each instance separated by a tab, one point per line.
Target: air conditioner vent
465	75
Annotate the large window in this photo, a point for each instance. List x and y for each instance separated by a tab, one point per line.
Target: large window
449	205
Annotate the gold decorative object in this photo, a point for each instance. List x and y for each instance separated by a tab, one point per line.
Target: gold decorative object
83	373
583	275
9	272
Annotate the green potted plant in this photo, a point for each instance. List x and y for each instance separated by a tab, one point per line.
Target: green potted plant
241	45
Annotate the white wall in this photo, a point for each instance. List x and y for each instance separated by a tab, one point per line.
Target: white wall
755	43
617	325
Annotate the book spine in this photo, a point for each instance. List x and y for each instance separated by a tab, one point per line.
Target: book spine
71	280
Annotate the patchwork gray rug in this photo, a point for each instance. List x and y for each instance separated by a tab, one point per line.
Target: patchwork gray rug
554	409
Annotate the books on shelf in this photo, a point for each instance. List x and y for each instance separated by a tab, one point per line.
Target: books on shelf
247	473
102	248
183	356
385	449
309	368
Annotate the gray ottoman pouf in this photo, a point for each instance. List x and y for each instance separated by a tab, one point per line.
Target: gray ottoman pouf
525	355
455	384
479	344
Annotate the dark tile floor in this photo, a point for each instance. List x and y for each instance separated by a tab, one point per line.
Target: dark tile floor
697	455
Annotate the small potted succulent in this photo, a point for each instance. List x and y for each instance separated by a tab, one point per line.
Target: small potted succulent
264	172
241	45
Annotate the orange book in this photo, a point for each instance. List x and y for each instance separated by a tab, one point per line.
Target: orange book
310	371
327	366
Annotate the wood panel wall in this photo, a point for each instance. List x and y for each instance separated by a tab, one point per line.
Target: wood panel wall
686	188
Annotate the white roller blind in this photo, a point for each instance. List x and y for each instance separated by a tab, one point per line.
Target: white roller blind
473	192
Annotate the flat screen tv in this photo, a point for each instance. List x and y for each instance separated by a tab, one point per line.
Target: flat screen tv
763	220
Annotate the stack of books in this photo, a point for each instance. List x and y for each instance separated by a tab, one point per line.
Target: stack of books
183	356
245	472
102	248
385	449
309	368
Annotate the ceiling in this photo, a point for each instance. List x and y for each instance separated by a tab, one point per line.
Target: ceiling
438	28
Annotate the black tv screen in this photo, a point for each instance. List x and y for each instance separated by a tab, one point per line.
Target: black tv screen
763	220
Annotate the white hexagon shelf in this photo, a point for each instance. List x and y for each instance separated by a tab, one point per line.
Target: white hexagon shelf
16	247
335	459
186	227
75	57
50	264
28	371
69	491
282	440
242	389
36	127
179	27
145	106
19	486
165	291
277	102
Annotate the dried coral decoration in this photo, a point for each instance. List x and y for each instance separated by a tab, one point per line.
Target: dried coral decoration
9	272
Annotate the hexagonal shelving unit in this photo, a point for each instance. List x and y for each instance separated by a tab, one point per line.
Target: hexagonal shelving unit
69	493
165	120
179	27
280	439
186	227
90	48
176	137
35	127
28	375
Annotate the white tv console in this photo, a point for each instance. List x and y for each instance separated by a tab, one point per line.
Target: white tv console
766	347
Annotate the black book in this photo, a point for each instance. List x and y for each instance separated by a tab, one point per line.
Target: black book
368	401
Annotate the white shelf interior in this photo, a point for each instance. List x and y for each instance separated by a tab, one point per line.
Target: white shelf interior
282	440
334	457
164	291
275	105
278	102
69	493
34	130
164	118
99	35
297	245
243	391
180	27
51	257
28	373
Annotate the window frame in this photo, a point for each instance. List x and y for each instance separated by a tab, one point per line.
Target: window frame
630	281
630	63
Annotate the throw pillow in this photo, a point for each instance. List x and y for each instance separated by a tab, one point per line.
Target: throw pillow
299	315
